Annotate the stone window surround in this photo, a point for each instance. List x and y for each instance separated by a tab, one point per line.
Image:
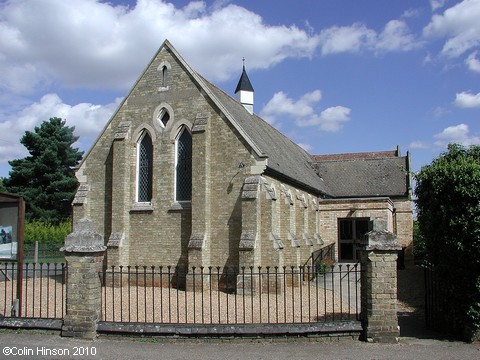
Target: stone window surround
157	123
138	136
182	126
164	70
142	136
175	131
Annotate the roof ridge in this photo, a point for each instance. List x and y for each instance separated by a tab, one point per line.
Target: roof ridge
369	155
254	115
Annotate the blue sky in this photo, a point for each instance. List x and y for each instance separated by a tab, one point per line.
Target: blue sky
333	75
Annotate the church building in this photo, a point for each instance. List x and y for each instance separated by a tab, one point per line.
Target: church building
185	174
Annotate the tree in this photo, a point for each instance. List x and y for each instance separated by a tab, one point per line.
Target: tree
2	186
448	205
46	178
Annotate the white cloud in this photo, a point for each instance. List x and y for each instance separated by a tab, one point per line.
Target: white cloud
303	112
93	44
437	4
411	13
396	36
88	120
331	119
440	111
473	63
460	27
306	147
459	134
87	43
418	145
280	104
352	38
467	100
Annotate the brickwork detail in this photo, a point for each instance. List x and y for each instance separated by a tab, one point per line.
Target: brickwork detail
196	240
81	195
231	192
200	123
379	285
247	240
122	130
116	239
84	252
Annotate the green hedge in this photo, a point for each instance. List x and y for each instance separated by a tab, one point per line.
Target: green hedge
45	232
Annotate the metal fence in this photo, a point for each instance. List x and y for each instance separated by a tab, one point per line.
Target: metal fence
431	296
215	295
37	292
321	259
34	252
203	295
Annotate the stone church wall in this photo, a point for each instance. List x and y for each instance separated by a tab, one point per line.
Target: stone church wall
275	224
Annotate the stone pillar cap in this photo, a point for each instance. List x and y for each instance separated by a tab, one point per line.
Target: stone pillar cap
381	240
84	239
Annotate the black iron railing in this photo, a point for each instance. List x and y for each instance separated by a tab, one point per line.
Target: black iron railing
431	295
215	295
41	293
322	259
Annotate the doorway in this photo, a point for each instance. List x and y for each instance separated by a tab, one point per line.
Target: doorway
350	234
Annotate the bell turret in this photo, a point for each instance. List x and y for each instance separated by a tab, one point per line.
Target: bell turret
244	91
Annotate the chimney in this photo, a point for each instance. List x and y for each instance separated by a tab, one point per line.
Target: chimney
244	91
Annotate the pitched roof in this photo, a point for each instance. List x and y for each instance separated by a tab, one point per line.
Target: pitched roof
359	155
365	174
286	160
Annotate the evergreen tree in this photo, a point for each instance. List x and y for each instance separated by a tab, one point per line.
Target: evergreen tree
46	178
2	186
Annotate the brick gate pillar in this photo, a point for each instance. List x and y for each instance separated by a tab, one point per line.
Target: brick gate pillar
84	250
379	284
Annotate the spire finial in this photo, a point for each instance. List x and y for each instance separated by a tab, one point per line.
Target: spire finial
243	60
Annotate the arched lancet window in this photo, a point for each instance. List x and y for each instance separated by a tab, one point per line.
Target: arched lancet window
164	76
183	166
144	168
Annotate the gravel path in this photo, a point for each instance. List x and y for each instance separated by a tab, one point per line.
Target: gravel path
306	302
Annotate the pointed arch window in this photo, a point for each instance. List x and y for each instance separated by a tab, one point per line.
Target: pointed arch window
144	168
183	166
164	76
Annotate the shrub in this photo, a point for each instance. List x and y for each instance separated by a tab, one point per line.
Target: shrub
324	266
45	232
448	205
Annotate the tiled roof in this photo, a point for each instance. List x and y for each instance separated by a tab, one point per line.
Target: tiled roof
285	158
360	174
359	155
370	175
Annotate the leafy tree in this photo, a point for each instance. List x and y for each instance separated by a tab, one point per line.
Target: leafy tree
418	241
448	192
46	178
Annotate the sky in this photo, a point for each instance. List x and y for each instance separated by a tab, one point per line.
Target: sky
334	76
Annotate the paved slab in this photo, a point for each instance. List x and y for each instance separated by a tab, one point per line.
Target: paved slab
43	345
